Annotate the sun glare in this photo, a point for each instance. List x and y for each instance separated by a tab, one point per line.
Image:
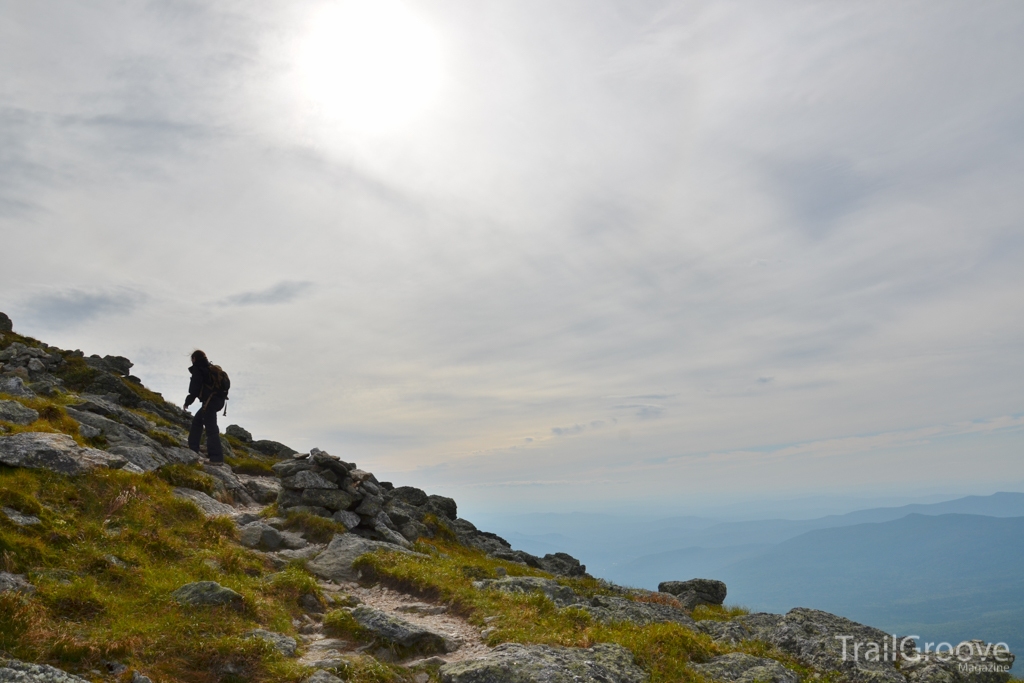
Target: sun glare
369	66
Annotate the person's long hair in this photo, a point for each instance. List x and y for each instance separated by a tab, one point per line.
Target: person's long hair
199	358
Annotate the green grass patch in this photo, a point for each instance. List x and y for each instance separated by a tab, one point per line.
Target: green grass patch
718	612
248	463
77	375
187	476
316	529
111	548
53	418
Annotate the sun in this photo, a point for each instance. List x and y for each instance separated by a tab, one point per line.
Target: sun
369	66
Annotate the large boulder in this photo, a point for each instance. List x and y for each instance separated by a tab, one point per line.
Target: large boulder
307	479
335	563
57	453
16	413
405	638
5	323
15	671
695	592
237	432
515	663
261	536
739	667
14	386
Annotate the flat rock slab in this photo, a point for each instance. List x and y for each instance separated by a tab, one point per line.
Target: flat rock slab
286	645
57	453
738	667
206	593
810	636
16	583
612	609
15	671
515	663
19	518
335	563
407	638
562	596
12	411
209	506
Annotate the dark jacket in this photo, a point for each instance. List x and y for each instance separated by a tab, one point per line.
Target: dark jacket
199	386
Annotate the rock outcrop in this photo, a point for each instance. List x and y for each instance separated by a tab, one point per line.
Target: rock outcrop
58	453
515	663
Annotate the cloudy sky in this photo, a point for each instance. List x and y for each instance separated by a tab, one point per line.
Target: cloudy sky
542	255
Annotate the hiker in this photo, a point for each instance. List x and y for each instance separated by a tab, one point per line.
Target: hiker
210	385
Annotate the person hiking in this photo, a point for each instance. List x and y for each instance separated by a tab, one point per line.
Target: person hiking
208	385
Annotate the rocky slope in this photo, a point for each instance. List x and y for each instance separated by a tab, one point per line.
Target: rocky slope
125	557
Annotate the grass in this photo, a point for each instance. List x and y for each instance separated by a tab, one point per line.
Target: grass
53	418
187	476
717	612
248	463
316	529
664	650
110	549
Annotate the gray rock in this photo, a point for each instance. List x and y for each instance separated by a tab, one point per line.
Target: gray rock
15	671
444	506
287	468
412	531
332	499
283	557
274	448
261	536
556	592
209	506
109	409
16	583
422	608
323	677
390	535
370	506
14	412
562	564
242	518
730	632
139	678
19	518
14	386
5	323
409	495
738	667
206	593
349	519
611	609
232	484
307	479
515	663
310	510
293	540
335	563
330	462
55	452
88	432
262	489
399	634
810	636
288	498
237	432
695	591
973	667
286	645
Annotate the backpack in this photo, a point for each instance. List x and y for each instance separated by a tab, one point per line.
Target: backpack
220	383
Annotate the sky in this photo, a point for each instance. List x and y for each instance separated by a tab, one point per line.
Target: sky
559	255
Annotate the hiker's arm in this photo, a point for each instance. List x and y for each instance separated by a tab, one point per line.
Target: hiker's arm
195	386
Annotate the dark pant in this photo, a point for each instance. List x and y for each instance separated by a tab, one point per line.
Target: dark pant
207	417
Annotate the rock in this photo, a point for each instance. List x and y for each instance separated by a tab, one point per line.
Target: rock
293	540
981	665
724	631
232	484
119	364
261	536
19	518
349	519
738	667
397	633
15	671
329	462
610	609
310	510
443	505
370	506
139	678
242	518
695	592
335	563
5	323
287	468
515	663
15	583
272	448
88	432
391	536
332	499
205	593
262	489
811	636
238	433
412	531
323	677
563	564
286	645
556	592
14	386
282	557
422	608
55	452
307	479
410	495
209	506
14	412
